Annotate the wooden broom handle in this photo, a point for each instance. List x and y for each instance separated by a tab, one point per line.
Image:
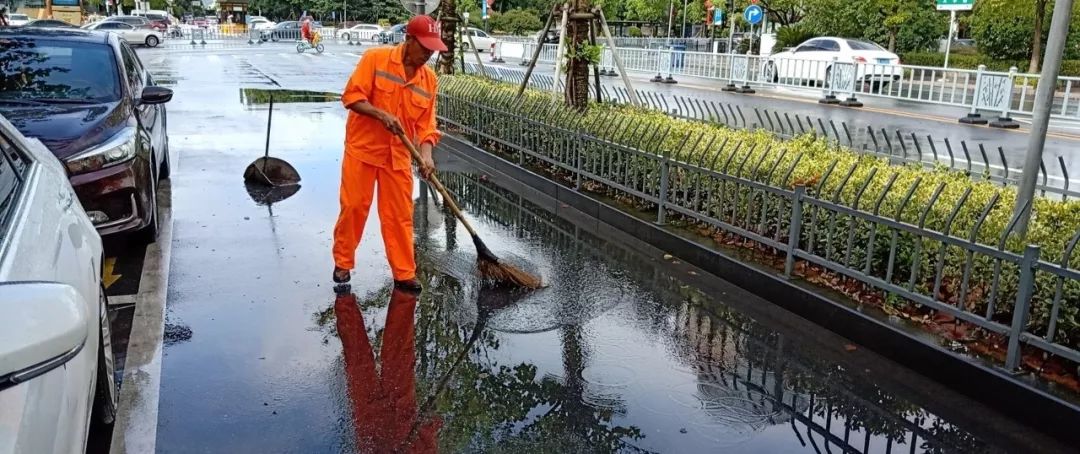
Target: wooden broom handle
438	185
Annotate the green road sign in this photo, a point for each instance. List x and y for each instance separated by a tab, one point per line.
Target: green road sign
955	5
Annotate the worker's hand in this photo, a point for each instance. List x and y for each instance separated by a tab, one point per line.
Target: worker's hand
427	165
390	122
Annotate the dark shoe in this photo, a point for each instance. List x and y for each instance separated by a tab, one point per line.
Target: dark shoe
409	285
341	275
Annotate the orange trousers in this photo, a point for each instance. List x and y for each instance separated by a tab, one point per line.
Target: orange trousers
358	180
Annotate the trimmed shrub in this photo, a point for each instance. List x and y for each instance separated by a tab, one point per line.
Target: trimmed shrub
830	173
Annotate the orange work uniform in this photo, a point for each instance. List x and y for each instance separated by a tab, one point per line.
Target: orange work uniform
374	155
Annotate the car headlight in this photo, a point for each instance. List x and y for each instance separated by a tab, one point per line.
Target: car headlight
117	149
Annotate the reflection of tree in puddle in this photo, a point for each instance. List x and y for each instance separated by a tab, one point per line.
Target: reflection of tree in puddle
748	377
483	405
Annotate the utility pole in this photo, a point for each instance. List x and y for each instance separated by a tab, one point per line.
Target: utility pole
1044	100
685	3
731	20
670	20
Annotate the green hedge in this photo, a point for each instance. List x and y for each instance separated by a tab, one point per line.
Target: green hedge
1053	224
972	61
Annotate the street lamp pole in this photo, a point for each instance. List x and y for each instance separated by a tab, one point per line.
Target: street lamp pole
1044	99
670	20
684	6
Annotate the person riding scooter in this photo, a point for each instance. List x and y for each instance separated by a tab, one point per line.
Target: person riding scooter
305	31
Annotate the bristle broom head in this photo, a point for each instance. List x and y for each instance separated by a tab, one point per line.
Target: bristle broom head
506	275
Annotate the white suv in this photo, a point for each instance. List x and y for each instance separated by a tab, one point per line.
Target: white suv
56	362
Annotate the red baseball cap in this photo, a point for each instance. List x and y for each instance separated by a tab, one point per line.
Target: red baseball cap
427	31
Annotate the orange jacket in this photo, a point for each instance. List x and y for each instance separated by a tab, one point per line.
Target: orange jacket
379	79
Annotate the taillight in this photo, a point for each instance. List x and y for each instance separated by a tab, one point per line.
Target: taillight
860	60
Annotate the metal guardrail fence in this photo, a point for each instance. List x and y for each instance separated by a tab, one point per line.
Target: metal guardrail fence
897	146
781	386
987	286
1001	94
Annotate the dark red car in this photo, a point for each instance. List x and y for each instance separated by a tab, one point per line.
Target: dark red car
87	97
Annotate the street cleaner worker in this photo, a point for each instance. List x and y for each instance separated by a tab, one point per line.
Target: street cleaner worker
391	91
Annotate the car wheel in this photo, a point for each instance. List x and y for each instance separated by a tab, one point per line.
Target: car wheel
828	78
106	396
152	41
149	233
273	37
465	46
166	166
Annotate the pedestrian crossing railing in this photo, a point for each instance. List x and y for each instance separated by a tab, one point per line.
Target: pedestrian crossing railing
978	160
991	97
963	265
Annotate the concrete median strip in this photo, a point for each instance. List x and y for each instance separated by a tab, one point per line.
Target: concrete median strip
135	430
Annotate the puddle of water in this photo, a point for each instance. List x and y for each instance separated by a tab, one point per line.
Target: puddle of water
619	354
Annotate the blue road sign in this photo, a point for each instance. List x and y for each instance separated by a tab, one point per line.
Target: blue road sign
718	17
753	14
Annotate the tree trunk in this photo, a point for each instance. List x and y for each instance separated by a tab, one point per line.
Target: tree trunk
449	35
577	74
892	39
1036	36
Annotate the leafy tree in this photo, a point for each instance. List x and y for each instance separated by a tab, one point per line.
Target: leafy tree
516	21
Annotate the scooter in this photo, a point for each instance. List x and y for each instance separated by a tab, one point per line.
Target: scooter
316	43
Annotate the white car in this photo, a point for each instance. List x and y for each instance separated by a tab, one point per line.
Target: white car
480	38
360	32
16	20
144	36
811	62
56	360
260	23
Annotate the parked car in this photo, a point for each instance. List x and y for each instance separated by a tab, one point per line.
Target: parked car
138	36
134	21
16	20
360	32
49	23
87	97
811	62
393	35
56	357
480	38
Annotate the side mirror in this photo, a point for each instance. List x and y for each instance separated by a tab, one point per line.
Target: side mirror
42	326
155	95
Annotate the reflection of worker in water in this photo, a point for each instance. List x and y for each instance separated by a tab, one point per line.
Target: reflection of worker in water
391	91
384	405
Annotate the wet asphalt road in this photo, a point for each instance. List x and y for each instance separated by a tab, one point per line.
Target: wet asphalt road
627	350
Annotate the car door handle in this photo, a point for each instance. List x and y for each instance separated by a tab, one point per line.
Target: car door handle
66	199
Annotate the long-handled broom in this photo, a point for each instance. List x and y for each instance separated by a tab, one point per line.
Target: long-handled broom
491	268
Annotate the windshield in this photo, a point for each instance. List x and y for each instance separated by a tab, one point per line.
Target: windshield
863	45
57	71
19	17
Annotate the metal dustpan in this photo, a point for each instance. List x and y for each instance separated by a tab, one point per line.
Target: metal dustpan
268	171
